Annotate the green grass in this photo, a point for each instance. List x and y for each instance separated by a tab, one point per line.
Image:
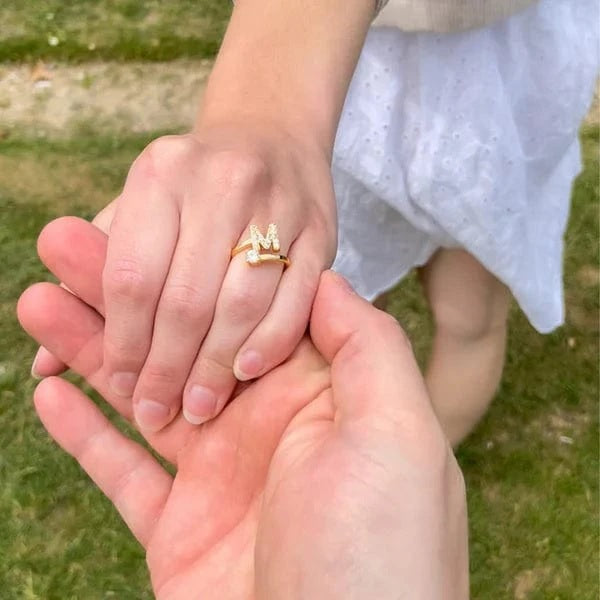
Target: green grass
533	498
76	30
531	467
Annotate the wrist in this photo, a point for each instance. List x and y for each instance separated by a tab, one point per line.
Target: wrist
288	64
264	130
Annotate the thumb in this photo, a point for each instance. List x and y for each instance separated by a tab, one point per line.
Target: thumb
373	369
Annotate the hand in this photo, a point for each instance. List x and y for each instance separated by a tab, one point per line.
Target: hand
329	477
182	317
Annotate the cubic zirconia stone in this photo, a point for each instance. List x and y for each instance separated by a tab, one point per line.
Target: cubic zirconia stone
252	257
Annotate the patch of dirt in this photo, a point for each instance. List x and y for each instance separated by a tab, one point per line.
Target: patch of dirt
588	275
528	581
559	426
132	96
120	96
582	318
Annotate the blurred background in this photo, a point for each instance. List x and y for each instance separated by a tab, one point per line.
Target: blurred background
84	86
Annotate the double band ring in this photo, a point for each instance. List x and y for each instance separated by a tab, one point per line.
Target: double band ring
256	242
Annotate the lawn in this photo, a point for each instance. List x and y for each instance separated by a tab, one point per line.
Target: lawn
78	30
531	467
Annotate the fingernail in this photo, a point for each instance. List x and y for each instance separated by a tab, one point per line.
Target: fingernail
123	384
199	405
34	372
343	283
151	415
248	366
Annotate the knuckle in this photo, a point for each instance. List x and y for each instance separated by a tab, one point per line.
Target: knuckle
159	373
163	155
185	302
389	328
125	279
214	366
238	170
121	350
244	305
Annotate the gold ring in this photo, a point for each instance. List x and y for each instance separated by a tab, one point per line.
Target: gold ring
257	259
256	242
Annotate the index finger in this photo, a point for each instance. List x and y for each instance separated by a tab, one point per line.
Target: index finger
75	252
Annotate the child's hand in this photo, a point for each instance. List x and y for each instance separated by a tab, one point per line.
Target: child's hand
182	316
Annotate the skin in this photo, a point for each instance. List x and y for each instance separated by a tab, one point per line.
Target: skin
184	322
328	477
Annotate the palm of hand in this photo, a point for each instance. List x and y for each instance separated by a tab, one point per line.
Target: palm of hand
204	538
200	529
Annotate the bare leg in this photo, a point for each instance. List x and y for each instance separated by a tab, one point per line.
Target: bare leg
470	309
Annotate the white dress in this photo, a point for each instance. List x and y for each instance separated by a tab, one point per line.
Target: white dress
467	140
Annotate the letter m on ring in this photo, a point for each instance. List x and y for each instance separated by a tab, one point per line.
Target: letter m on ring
269	241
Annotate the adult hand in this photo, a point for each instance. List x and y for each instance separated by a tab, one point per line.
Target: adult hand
329	477
45	363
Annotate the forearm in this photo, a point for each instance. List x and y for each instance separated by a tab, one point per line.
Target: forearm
288	63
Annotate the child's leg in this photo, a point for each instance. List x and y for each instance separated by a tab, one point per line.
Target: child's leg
470	309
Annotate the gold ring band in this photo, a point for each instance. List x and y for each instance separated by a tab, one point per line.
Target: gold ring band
253	246
243	246
255	260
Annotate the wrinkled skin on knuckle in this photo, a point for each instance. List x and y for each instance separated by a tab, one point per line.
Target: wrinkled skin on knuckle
186	304
243	305
165	156
125	279
238	171
124	351
159	374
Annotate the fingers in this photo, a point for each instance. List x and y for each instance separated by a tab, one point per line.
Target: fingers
73	332
279	332
374	373
75	252
183	316
61	246
143	237
46	364
69	329
131	478
245	296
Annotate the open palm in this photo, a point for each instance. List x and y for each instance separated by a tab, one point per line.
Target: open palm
329	477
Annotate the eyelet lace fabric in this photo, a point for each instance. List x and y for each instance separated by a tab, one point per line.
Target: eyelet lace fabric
467	140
